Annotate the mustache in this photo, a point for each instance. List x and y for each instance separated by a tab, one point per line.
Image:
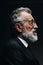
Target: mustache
34	30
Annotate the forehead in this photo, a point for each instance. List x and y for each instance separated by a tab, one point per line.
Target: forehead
26	15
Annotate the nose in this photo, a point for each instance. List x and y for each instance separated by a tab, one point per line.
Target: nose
35	25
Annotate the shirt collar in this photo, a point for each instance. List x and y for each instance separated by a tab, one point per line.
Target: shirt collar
23	41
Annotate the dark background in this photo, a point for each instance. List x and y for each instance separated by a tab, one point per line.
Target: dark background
37	11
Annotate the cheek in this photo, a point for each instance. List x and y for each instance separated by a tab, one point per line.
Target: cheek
28	27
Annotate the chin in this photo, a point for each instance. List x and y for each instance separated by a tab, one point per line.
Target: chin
33	38
30	35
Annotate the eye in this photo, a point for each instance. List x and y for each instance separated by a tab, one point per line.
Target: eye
31	22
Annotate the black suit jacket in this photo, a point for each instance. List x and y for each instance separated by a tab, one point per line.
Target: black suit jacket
15	53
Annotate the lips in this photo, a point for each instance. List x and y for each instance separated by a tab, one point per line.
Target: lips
34	32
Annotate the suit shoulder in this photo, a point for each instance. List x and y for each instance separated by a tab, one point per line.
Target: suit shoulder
13	43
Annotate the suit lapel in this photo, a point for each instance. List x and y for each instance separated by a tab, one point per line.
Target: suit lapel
26	51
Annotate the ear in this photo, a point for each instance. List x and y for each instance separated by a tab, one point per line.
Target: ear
18	27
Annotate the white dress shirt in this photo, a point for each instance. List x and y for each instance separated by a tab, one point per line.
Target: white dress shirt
23	41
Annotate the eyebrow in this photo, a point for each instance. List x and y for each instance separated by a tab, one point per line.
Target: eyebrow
29	20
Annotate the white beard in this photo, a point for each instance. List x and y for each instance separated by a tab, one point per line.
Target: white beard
30	35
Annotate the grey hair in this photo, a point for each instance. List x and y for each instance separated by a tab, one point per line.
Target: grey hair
16	13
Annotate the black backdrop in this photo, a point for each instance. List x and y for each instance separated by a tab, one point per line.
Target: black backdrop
37	12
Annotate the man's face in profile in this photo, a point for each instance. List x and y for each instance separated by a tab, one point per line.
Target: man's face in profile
29	27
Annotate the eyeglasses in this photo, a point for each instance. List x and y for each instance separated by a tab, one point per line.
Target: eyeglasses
31	22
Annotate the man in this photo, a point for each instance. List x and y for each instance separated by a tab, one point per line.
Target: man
18	51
